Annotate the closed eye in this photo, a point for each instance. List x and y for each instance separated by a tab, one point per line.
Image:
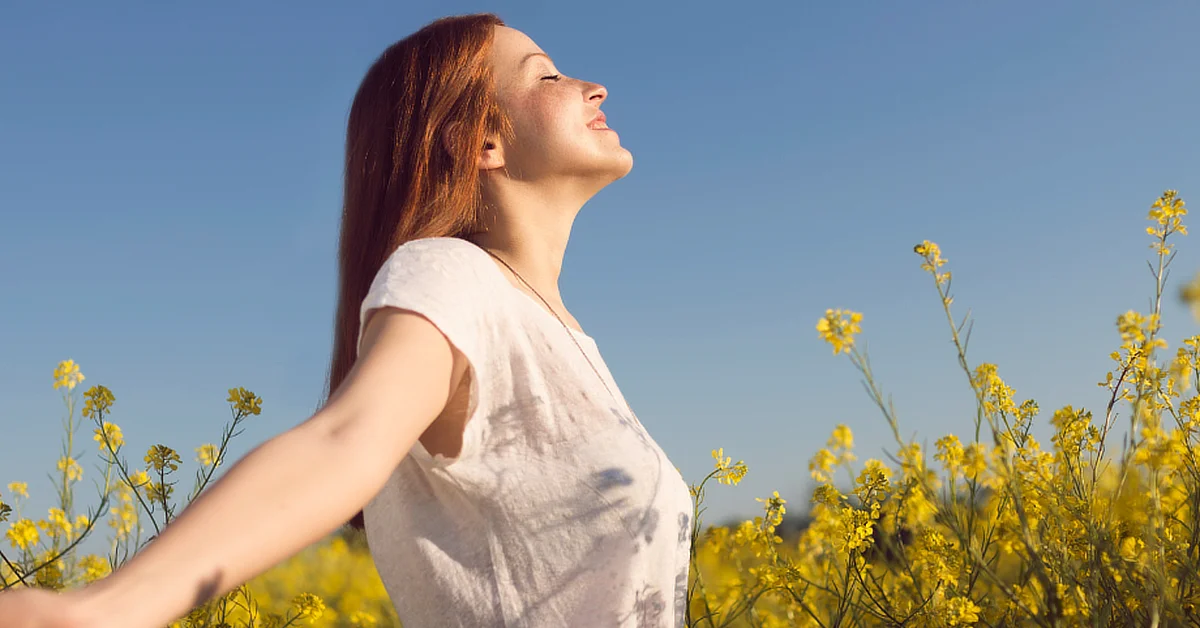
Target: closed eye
553	77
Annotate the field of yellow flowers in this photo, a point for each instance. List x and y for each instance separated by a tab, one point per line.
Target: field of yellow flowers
1097	529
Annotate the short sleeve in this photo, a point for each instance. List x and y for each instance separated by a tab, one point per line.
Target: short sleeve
446	281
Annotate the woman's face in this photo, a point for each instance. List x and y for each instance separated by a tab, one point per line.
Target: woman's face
551	114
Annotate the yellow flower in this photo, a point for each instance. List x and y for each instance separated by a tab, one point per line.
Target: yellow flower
22	534
950	452
244	401
855	530
727	473
1182	369
1074	431
916	507
827	495
933	260
56	524
19	488
838	328
97	401
67	374
962	611
1134	328
206	455
932	254
138	479
161	457
308	606
71	468
1168	207
50	576
1190	294
775	507
94	567
842	437
997	397
112	432
365	620
974	460
124	518
159	492
873	482
821	465
1131	547
1167	212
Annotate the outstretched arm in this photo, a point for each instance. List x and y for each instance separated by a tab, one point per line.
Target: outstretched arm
297	487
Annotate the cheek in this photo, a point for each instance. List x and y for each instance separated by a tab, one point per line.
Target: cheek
551	117
545	121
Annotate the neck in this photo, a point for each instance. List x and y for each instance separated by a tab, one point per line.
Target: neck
535	257
533	241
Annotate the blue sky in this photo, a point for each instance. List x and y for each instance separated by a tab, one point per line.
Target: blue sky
170	187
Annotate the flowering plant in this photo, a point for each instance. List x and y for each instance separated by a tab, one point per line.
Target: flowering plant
140	501
1098	528
998	530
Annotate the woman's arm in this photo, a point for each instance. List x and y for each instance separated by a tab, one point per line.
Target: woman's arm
297	487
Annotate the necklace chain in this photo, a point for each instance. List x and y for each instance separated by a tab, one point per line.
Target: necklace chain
564	324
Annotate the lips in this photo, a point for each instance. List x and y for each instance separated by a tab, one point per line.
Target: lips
599	122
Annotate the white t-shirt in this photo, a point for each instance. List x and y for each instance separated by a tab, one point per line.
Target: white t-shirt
560	510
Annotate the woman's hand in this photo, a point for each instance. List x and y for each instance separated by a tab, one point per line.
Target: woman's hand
42	608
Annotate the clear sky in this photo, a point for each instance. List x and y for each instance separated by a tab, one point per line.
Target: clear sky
170	183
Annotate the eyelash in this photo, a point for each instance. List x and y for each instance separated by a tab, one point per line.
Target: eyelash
553	77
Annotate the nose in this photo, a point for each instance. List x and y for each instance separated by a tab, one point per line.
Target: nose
596	92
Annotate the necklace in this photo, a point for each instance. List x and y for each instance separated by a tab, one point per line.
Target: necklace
564	324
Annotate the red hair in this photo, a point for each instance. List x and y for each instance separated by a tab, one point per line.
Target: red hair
402	181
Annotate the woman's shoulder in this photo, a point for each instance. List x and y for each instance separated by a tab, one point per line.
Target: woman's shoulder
440	245
439	252
438	259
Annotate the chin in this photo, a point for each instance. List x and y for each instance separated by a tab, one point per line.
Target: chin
602	168
622	164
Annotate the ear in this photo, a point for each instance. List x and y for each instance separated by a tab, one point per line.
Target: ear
447	138
491	155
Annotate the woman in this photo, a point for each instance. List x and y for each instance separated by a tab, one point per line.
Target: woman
471	425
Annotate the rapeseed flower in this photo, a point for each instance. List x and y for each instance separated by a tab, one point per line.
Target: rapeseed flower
94	567
56	525
98	400
71	468
161	457
206	455
821	465
23	534
726	471
245	402
838	328
112	433
67	374
309	606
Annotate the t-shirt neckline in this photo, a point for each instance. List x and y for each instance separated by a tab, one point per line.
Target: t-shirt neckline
529	299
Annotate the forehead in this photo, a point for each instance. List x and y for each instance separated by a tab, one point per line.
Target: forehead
510	49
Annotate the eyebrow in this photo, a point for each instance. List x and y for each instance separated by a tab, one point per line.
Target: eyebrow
534	54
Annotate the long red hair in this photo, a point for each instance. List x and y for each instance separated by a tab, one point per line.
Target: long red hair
401	181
